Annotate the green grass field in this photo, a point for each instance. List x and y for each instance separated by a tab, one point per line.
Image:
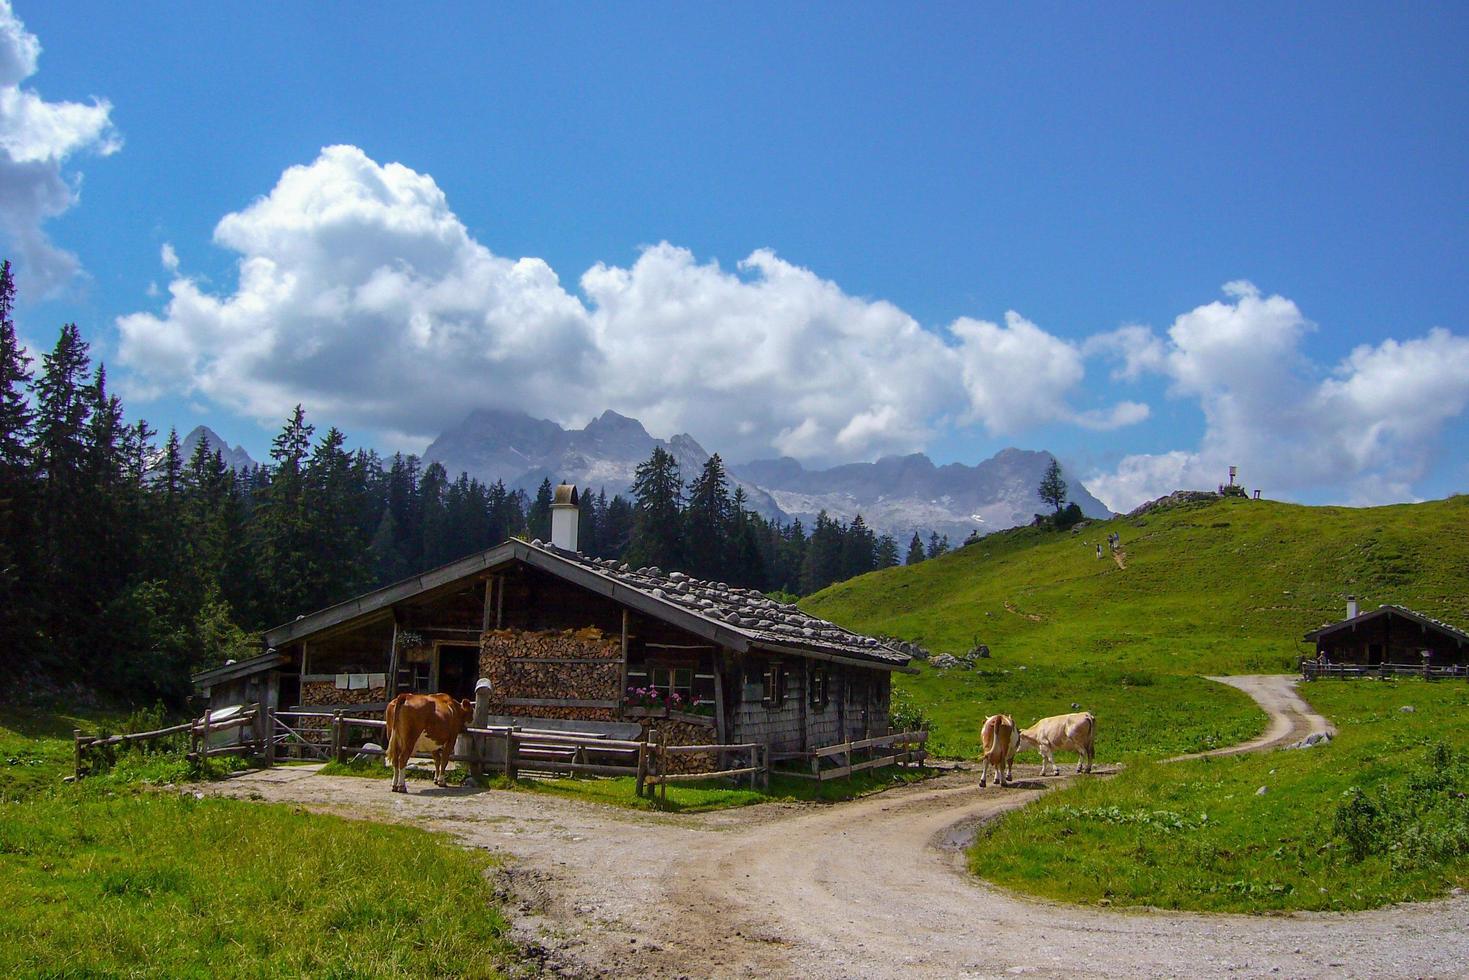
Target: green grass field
1197	835
1228	586
108	878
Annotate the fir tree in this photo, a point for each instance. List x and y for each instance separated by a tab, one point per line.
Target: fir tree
657	528
538	520
915	551
887	551
707	522
1052	488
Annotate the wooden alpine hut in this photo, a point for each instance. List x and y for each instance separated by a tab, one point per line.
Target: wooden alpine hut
582	644
1389	638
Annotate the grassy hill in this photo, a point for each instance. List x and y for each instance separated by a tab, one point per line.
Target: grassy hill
1223	586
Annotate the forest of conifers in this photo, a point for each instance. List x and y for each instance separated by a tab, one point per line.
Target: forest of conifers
124	567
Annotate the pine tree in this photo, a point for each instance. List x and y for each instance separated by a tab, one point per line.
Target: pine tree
657	530
859	550
284	527
538	520
707	522
617	527
63	408
1052	488
887	551
936	545
915	551
336	541
18	567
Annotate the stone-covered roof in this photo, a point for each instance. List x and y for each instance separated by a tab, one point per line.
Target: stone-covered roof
1385	609
737	618
761	620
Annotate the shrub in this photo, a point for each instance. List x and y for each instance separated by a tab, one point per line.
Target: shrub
905	715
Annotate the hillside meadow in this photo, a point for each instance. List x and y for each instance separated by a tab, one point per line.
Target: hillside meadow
1379	815
1217	587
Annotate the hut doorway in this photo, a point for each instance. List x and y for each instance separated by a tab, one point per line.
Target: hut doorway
458	670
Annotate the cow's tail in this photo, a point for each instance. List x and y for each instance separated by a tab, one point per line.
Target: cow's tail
390	756
987	734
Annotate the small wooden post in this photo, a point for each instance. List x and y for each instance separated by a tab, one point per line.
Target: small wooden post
511	770
339	750
477	744
269	737
76	735
662	769
765	767
642	766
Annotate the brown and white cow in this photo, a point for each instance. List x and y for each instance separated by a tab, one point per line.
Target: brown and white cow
1069	733
999	740
424	722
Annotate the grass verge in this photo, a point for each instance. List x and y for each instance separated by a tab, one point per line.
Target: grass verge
693	797
1380	815
106	877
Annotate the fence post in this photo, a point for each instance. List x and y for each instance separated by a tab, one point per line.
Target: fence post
765	767
642	766
76	735
338	750
662	768
477	744
269	737
511	769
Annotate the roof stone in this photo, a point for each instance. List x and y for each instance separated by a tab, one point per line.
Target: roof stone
754	615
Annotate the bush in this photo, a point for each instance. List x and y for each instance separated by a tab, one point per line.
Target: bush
905	715
1420	821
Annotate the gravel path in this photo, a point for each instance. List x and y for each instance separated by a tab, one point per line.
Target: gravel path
872	888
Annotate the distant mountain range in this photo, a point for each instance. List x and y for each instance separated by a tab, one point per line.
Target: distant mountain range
235	459
523	451
896	495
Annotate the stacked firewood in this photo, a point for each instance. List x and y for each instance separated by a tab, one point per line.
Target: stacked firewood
550	665
684	733
326	693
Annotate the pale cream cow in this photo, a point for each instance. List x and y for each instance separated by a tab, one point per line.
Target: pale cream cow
1069	733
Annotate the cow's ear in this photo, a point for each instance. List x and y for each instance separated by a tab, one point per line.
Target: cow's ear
467	705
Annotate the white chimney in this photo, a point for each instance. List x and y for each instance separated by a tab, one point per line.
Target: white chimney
565	514
1351	607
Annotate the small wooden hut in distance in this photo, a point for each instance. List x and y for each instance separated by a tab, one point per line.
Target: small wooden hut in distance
583	644
1390	635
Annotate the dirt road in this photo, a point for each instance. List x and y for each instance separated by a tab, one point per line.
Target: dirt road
873	888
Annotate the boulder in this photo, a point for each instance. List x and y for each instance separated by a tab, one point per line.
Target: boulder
944	661
363	755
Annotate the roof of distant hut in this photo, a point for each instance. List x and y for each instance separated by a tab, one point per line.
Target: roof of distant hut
740	619
1387	609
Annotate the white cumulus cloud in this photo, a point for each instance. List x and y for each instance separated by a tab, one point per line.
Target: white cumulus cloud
362	294
36	139
1362	431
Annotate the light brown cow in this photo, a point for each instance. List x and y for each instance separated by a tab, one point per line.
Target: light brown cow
424	722
1069	733
999	740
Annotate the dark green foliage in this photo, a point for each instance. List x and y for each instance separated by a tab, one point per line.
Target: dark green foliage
1067	517
657	533
1052	488
915	551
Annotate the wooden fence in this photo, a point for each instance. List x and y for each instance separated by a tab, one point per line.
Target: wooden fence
515	750
901	749
87	748
1312	670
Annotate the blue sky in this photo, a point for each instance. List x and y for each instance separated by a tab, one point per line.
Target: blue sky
946	215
